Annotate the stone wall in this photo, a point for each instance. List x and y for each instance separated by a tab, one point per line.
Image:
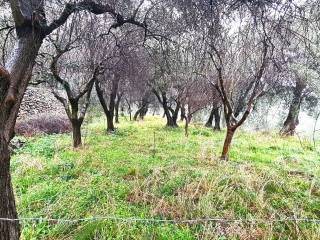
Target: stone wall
39	101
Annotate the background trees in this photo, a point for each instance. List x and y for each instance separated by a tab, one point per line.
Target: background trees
122	53
32	27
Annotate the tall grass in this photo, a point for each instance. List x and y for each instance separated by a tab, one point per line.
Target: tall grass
119	174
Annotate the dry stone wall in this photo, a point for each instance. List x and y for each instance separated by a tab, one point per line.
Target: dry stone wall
37	101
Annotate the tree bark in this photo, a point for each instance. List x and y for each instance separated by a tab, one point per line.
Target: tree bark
214	114
143	111
143	107
217	118
117	106
183	114
186	127
130	111
187	118
210	119
129	108
8	229
292	120
116	119
171	121
20	68
227	143
110	125
135	117
76	133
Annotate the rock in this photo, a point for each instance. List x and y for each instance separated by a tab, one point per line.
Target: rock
16	144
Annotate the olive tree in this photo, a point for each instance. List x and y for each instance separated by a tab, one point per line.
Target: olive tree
33	21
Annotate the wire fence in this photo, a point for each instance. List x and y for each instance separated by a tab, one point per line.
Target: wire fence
164	221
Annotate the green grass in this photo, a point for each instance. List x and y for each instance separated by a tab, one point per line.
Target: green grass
268	177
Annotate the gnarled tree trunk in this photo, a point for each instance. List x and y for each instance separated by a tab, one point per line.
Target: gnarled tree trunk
76	132
169	113
8	229
108	109
292	120
110	125
143	112
142	107
135	117
214	114
217	119
183	113
12	89
171	116
210	119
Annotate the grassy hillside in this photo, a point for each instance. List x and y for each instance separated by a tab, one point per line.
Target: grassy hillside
121	175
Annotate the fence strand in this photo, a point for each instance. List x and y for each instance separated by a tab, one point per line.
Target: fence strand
169	221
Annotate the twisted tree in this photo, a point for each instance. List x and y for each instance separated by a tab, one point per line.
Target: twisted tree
33	22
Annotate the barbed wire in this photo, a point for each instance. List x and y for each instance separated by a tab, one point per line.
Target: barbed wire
164	221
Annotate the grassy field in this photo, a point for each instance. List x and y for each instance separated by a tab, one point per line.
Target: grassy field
122	175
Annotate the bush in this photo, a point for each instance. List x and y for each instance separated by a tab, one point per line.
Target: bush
43	123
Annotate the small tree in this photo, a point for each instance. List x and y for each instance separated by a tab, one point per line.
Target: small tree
231	61
77	101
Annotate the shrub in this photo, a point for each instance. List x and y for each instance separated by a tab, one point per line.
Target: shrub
43	123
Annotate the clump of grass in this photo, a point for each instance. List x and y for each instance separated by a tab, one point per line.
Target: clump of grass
118	175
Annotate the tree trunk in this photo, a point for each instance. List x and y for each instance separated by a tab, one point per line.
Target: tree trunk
210	119
20	67
214	114
143	111
227	143
171	122
183	114
186	127
108	110
117	106
175	114
171	119
135	117
129	108
76	133
187	118
117	112
110	125
130	112
292	119
217	118
8	229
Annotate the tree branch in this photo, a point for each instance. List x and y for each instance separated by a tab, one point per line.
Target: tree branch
95	8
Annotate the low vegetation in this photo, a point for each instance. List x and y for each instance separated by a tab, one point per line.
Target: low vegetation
126	175
43	123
